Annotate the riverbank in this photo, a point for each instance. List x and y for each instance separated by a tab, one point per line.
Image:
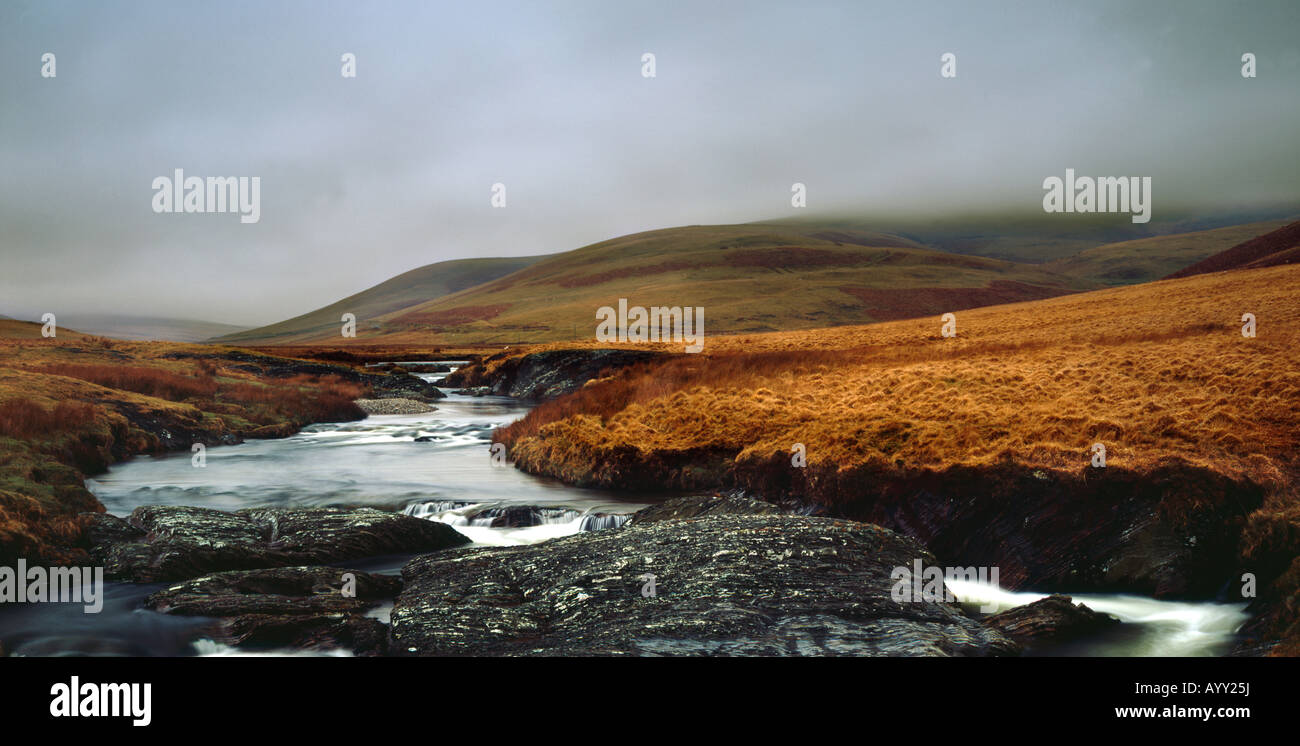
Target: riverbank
72	405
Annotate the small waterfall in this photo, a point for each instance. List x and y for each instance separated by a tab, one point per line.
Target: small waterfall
597	521
444	511
498	524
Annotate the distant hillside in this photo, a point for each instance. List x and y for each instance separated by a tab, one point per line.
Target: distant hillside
1147	259
1281	246
14	329
147	327
409	288
751	277
1038	237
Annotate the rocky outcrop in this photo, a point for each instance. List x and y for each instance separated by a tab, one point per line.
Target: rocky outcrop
317	608
1055	618
394	406
162	543
546	374
722	585
1170	532
698	506
402	385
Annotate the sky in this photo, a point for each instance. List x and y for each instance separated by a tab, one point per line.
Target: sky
365	177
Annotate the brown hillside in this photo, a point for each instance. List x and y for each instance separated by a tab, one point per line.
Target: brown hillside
1268	250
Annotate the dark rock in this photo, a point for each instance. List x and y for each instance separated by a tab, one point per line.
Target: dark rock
546	374
697	506
1054	618
512	516
724	585
427	367
299	607
1169	532
161	543
402	385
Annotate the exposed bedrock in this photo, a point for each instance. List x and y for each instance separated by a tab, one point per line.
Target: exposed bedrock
546	374
723	584
1173	531
1055	618
315	608
162	543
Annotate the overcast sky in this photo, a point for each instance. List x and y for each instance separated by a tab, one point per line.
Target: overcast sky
364	178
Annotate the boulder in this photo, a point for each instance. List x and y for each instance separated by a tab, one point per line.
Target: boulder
163	543
297	607
1054	618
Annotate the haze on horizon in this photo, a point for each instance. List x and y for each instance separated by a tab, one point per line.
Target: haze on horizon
366	178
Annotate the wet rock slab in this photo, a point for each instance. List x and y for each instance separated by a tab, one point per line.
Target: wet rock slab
294	607
163	543
1055	618
699	506
724	585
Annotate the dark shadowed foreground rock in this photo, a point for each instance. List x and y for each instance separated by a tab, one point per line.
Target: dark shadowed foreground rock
160	543
724	585
1053	618
297	607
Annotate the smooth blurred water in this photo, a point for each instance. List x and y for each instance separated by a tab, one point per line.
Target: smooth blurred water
374	462
1151	627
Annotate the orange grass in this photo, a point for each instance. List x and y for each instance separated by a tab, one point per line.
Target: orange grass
1152	372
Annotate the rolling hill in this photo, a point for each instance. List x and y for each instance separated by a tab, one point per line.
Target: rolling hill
749	278
15	329
119	326
1281	246
1147	259
753	277
1038	237
404	290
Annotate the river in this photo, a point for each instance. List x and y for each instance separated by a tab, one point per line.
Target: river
447	475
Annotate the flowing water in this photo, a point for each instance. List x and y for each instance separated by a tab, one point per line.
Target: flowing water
1151	627
438	466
